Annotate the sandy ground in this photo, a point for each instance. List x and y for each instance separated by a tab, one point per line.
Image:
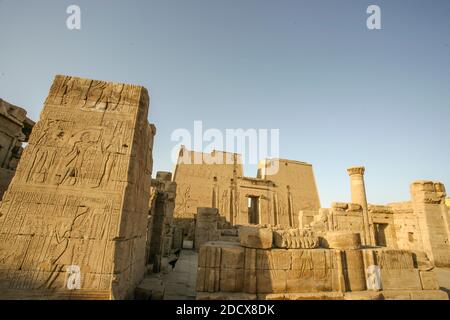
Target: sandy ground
180	282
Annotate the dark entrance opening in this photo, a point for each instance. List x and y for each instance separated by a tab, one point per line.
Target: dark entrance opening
253	210
380	234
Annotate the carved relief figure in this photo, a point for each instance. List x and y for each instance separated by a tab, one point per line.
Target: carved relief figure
72	164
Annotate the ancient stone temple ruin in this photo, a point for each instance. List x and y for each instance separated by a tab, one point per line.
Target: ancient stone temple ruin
73	222
422	224
273	197
15	129
349	251
293	264
83	219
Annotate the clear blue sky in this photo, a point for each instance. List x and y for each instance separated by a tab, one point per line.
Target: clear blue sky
340	94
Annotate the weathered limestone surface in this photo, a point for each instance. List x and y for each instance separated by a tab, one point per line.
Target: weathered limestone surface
15	128
73	221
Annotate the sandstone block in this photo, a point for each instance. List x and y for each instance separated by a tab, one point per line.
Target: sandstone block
225	296
422	261
303	296
429	295
278	259
232	257
250	259
342	240
313	259
395	259
231	280
355	270
396	295
271	281
208	279
309	281
255	237
206	226
354	207
429	280
322	258
404	279
363	295
295	239
339	205
250	281
302	260
210	255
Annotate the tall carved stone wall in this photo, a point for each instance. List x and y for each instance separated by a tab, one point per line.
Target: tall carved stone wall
73	222
295	190
203	185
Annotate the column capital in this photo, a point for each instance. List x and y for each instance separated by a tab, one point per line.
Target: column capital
356	170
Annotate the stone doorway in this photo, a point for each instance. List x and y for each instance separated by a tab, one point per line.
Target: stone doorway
253	209
380	234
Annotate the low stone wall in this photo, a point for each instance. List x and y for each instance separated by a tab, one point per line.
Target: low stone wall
256	268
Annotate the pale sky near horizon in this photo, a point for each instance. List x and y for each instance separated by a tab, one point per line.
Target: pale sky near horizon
341	95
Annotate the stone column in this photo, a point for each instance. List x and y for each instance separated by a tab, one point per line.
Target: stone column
162	218
358	191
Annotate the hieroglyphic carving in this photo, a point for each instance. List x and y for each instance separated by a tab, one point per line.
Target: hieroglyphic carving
183	201
80	193
295	239
395	259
